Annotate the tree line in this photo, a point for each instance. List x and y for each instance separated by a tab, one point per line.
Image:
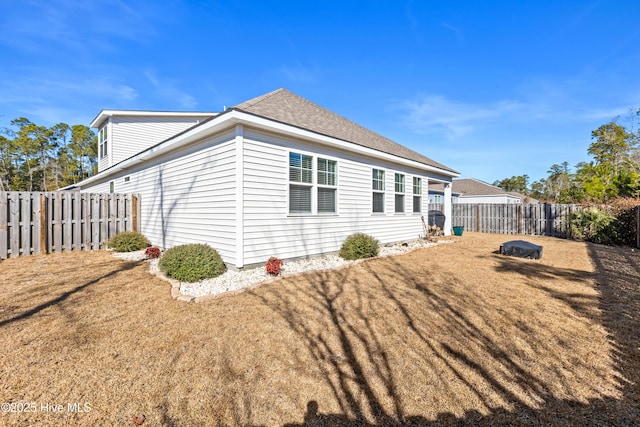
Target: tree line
40	158
613	172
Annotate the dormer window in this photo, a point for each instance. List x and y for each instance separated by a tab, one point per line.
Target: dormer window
102	142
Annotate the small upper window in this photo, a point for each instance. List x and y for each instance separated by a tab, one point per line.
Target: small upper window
102	142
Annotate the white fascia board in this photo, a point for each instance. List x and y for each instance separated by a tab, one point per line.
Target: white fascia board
105	114
233	117
271	125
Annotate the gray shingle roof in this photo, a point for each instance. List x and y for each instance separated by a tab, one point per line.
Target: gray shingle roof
286	107
474	187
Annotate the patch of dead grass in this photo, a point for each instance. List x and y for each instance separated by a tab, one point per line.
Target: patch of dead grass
450	334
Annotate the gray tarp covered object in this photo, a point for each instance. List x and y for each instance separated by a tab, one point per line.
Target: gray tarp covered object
521	249
436	218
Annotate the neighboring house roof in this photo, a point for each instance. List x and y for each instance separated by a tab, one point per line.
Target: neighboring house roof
286	107
525	199
475	187
439	188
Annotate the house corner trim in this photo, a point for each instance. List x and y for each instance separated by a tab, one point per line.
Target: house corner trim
239	146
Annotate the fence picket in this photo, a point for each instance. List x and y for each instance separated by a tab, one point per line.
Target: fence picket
4	232
14	221
32	223
25	223
527	219
77	222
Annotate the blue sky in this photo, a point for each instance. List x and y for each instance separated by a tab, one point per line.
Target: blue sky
489	88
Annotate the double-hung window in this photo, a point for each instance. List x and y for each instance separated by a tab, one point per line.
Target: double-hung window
378	190
102	142
307	196
399	187
300	183
327	185
417	194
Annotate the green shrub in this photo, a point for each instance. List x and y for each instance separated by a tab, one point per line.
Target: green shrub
190	263
624	228
358	246
594	225
128	241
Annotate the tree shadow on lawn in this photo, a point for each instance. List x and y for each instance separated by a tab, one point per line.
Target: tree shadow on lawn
49	290
401	345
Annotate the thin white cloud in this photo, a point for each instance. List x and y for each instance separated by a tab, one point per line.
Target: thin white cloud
169	92
71	24
298	73
455	30
54	99
540	102
436	113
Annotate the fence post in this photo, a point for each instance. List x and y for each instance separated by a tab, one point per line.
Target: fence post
14	217
134	213
44	224
638	226
520	219
4	241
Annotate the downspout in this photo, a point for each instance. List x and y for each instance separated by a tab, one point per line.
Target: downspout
239	141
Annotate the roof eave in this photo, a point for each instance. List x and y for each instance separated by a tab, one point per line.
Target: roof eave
231	117
104	115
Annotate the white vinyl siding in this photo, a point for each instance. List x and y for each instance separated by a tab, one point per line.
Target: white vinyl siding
189	196
186	197
129	136
269	229
399	193
417	194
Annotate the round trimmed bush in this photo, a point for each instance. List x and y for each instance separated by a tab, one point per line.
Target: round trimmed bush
190	263
358	246
128	241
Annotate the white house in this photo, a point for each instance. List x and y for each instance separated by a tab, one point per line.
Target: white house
273	176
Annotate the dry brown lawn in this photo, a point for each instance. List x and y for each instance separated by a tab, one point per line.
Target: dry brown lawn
451	335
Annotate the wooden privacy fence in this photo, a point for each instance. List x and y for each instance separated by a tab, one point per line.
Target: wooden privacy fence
532	219
36	223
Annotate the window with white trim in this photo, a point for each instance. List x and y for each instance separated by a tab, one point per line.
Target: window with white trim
300	183
399	196
378	190
417	194
327	185
102	142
